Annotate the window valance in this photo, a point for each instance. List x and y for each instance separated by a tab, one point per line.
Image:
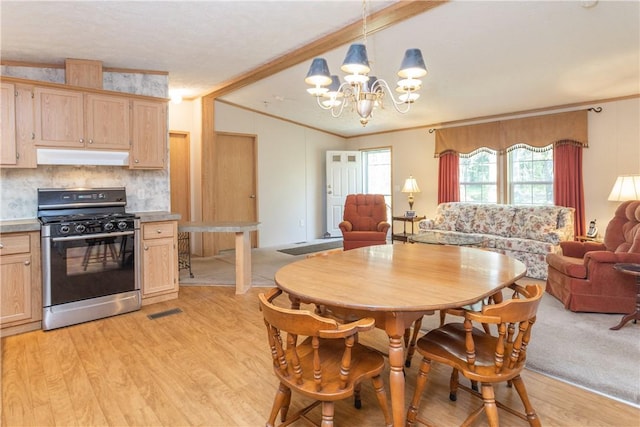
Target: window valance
537	131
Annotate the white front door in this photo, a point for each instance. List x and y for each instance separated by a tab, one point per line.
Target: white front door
344	176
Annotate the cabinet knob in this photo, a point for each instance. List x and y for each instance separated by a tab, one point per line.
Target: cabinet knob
81	141
136	161
91	141
146	248
1	246
27	262
159	231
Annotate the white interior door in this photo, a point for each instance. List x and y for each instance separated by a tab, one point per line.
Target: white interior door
344	176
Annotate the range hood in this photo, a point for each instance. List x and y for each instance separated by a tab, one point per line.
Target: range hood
47	156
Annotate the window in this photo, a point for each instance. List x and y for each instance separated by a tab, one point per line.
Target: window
376	170
479	177
528	176
531	176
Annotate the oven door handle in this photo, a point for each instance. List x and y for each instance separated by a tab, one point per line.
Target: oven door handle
93	236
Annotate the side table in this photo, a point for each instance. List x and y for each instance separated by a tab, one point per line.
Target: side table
589	239
634	270
404	237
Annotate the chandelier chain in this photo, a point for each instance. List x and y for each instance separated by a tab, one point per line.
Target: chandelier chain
364	22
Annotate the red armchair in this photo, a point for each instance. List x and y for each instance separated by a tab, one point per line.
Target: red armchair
583	277
364	221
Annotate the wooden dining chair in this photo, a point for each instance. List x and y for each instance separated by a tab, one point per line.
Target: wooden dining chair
483	357
318	358
411	338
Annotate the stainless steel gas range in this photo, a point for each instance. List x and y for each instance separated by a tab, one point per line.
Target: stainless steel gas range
89	250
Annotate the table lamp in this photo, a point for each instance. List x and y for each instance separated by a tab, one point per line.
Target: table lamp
410	186
626	187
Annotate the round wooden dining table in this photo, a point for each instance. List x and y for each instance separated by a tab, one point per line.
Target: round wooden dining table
397	284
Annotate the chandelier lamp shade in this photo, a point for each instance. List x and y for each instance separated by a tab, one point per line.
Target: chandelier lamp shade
410	186
626	187
360	91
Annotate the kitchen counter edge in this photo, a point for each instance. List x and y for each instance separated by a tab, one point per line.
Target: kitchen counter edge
158	216
19	225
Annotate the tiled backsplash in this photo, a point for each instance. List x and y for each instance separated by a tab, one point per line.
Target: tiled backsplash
147	190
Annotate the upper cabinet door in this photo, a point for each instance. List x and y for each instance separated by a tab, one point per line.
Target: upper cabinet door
149	135
8	152
59	117
107	122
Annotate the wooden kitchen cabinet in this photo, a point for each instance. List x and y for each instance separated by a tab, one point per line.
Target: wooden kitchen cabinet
107	122
18	126
73	119
159	273
149	136
8	147
59	117
20	283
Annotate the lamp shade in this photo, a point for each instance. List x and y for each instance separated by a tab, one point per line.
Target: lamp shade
356	61
626	187
411	185
318	74
412	66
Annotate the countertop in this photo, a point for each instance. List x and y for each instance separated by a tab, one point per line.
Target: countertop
32	224
158	216
19	225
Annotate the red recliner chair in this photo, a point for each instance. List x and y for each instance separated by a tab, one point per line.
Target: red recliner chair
583	277
364	221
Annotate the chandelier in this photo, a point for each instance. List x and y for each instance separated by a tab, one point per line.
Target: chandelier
360	91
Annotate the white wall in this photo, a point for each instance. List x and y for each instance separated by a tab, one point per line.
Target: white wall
291	164
614	149
290	169
412	154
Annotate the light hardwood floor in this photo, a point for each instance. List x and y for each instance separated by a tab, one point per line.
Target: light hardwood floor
210	365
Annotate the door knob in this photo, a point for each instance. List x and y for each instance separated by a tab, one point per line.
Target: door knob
253	196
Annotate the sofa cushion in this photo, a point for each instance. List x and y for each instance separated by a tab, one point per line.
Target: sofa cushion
523	245
496	220
572	267
466	213
446	217
536	223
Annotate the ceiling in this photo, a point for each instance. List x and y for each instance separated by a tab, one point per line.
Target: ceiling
484	58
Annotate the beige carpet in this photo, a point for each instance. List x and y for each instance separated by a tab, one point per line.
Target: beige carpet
575	347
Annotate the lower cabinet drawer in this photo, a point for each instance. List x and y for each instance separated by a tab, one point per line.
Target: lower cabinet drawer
158	230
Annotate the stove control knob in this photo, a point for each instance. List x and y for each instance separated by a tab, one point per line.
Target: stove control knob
122	225
108	226
64	229
80	228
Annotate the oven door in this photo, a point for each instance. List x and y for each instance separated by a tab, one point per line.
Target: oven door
88	266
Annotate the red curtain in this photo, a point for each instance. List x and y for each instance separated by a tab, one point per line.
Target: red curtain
568	189
448	178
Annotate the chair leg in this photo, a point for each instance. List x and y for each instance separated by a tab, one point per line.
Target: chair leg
490	406
283	395
532	417
453	385
378	387
421	382
357	402
411	348
328	409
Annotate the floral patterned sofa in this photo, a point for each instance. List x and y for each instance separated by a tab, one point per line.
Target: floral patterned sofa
527	233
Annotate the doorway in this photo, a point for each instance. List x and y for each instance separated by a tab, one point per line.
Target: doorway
344	176
234	185
180	174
